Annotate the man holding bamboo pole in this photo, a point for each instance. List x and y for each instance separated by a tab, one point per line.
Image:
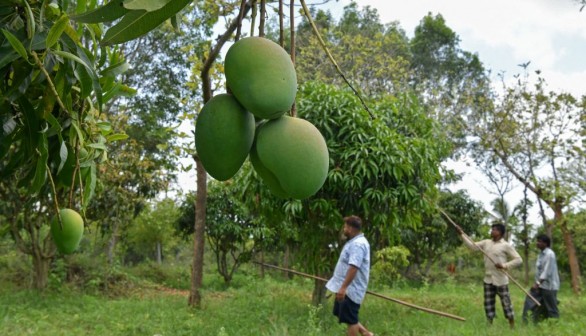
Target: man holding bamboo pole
350	279
499	256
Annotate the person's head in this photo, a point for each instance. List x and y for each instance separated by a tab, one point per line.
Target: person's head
543	241
497	231
352	226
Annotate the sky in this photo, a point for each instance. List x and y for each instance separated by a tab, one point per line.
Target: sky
551	34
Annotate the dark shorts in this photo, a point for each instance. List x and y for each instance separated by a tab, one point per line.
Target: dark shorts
346	311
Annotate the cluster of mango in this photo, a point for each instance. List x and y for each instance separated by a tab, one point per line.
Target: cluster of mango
289	154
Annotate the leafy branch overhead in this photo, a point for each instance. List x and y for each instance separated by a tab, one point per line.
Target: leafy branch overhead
138	17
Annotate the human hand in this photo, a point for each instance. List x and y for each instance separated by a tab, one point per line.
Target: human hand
341	294
500	266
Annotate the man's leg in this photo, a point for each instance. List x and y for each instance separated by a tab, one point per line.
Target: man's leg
550	301
353	330
530	308
503	293
363	331
489	301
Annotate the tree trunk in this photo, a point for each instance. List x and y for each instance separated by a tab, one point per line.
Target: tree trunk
159	253
198	236
570	249
40	270
287	260
319	293
112	243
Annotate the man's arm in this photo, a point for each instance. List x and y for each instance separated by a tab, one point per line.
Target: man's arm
546	273
352	270
516	259
467	241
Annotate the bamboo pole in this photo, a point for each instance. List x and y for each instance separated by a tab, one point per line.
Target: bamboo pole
489	258
427	310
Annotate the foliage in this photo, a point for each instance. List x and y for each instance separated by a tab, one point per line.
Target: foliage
375	56
380	59
388	264
430	241
151	234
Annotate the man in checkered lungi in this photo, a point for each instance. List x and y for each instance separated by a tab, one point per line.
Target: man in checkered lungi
496	282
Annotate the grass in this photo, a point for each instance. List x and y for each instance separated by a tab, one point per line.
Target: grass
269	306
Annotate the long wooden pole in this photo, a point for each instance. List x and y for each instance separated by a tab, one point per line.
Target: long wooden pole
428	310
489	258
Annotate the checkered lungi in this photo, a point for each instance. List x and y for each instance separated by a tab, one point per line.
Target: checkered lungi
490	292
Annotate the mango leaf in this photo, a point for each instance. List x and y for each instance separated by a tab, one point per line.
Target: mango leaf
89	184
91	72
62	155
98	146
148	5
115	69
41	169
15	43
56	31
116	137
109	12
8	54
139	22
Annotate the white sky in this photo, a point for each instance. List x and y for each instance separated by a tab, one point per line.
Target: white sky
549	33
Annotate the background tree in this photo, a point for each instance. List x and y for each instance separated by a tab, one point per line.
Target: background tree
152	231
535	134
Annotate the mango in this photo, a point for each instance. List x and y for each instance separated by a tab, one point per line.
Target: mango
224	133
291	157
261	75
69	232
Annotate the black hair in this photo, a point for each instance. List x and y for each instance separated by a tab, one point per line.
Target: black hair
544	238
501	228
354	221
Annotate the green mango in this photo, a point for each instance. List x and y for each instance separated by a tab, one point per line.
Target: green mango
69	232
261	76
224	133
291	157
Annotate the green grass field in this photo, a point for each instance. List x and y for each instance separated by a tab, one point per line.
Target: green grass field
269	306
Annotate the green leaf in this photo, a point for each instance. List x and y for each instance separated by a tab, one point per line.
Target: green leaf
74	124
97	146
109	12
16	44
148	5
115	70
30	21
139	22
89	185
90	71
41	169
62	155
116	137
56	31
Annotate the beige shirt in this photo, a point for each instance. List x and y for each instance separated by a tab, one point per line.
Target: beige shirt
500	252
